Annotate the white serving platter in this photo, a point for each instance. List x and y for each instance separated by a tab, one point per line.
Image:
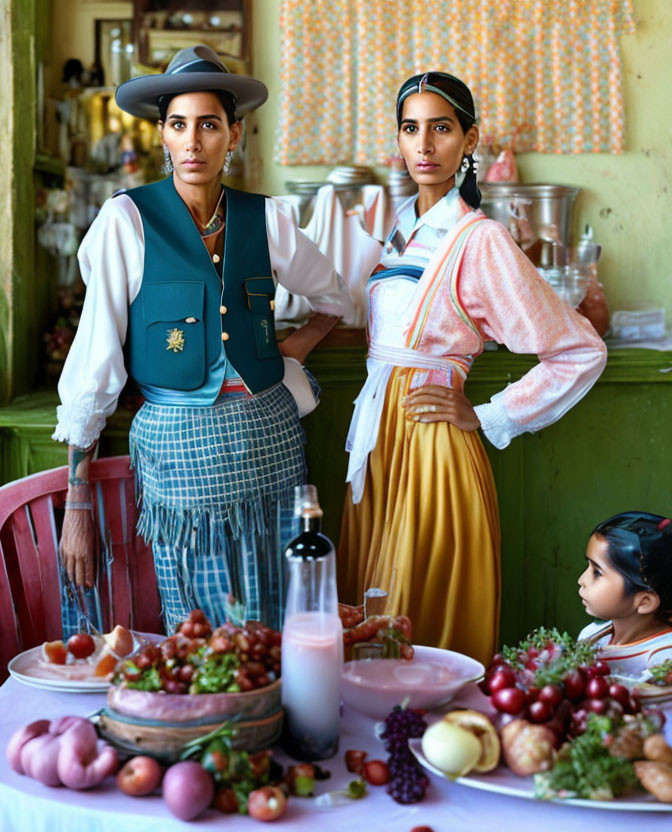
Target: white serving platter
504	781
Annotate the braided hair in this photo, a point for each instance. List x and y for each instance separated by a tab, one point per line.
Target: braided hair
458	94
640	548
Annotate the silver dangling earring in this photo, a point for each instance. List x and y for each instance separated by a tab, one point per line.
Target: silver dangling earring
464	167
167	166
227	161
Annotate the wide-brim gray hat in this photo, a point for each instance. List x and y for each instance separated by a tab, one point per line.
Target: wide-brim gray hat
194	69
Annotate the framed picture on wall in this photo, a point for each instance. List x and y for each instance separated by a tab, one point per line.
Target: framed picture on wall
163	28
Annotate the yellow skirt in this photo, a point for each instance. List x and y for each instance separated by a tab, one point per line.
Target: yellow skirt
427	531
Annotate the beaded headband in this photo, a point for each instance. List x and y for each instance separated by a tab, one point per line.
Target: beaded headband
423	85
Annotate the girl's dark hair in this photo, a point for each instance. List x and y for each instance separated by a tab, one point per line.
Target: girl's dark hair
640	548
227	99
465	113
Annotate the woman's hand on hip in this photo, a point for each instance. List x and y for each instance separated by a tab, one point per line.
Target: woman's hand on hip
433	403
77	546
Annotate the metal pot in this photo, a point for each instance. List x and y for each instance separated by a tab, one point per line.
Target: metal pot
543	205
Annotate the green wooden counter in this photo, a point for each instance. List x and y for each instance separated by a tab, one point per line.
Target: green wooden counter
612	452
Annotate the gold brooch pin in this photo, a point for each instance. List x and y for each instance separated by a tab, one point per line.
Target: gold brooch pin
175	340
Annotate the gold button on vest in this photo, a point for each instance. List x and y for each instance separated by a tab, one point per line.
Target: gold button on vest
225	336
222	310
215	258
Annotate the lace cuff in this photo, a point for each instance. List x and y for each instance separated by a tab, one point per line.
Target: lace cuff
496	424
79	423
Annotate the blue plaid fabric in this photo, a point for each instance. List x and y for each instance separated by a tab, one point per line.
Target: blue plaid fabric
215	486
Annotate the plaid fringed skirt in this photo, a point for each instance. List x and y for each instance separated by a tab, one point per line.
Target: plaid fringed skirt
214	486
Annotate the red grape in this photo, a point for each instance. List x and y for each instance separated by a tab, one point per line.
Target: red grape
595	706
597	688
540	711
552	694
531	695
187	629
502	678
602	668
509	700
575	685
578	723
621	694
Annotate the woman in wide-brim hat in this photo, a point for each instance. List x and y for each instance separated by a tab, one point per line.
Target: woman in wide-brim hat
180	283
421	518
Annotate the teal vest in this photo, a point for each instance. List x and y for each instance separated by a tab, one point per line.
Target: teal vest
176	322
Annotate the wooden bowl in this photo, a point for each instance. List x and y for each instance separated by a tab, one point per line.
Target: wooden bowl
160	724
166	741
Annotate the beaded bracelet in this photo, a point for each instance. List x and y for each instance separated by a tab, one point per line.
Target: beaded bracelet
78	505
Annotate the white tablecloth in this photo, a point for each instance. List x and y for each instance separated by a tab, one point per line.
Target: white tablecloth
28	806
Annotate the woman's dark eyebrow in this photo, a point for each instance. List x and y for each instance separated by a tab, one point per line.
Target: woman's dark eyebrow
592	562
431	120
208	115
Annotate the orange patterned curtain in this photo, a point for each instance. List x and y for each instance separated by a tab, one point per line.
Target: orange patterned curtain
546	74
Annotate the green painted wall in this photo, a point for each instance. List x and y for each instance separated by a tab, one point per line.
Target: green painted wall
19	326
627	198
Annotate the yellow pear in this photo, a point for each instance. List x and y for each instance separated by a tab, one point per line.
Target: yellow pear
450	748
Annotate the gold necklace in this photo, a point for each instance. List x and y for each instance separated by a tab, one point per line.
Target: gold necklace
216	221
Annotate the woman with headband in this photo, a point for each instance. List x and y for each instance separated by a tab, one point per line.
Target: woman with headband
180	280
421	518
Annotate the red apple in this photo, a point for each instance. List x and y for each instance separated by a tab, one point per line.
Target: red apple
188	789
267	803
140	776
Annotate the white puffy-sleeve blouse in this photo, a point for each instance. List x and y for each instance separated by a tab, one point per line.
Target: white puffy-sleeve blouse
111	259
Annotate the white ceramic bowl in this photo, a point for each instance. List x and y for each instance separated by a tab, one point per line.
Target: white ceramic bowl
432	678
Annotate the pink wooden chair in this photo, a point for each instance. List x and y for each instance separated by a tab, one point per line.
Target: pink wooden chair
30	583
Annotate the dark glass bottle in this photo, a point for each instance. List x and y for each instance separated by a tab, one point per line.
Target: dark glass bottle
312	639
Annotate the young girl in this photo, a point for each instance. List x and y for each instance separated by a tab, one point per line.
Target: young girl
628	584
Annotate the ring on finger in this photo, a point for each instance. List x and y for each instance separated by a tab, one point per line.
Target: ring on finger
432	408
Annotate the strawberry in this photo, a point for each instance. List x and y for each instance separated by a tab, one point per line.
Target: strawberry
354	760
376	772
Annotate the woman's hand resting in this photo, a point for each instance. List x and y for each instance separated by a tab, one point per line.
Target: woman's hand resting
433	403
77	546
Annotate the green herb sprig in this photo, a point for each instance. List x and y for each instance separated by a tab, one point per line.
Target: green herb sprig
585	767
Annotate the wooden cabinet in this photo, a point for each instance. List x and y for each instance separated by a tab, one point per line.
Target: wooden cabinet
610	453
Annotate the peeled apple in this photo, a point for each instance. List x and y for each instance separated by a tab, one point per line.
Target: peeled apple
450	748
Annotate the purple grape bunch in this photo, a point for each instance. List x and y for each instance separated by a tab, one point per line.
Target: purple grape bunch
408	782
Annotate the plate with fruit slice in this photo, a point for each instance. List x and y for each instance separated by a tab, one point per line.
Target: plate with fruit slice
570	732
503	781
83	664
